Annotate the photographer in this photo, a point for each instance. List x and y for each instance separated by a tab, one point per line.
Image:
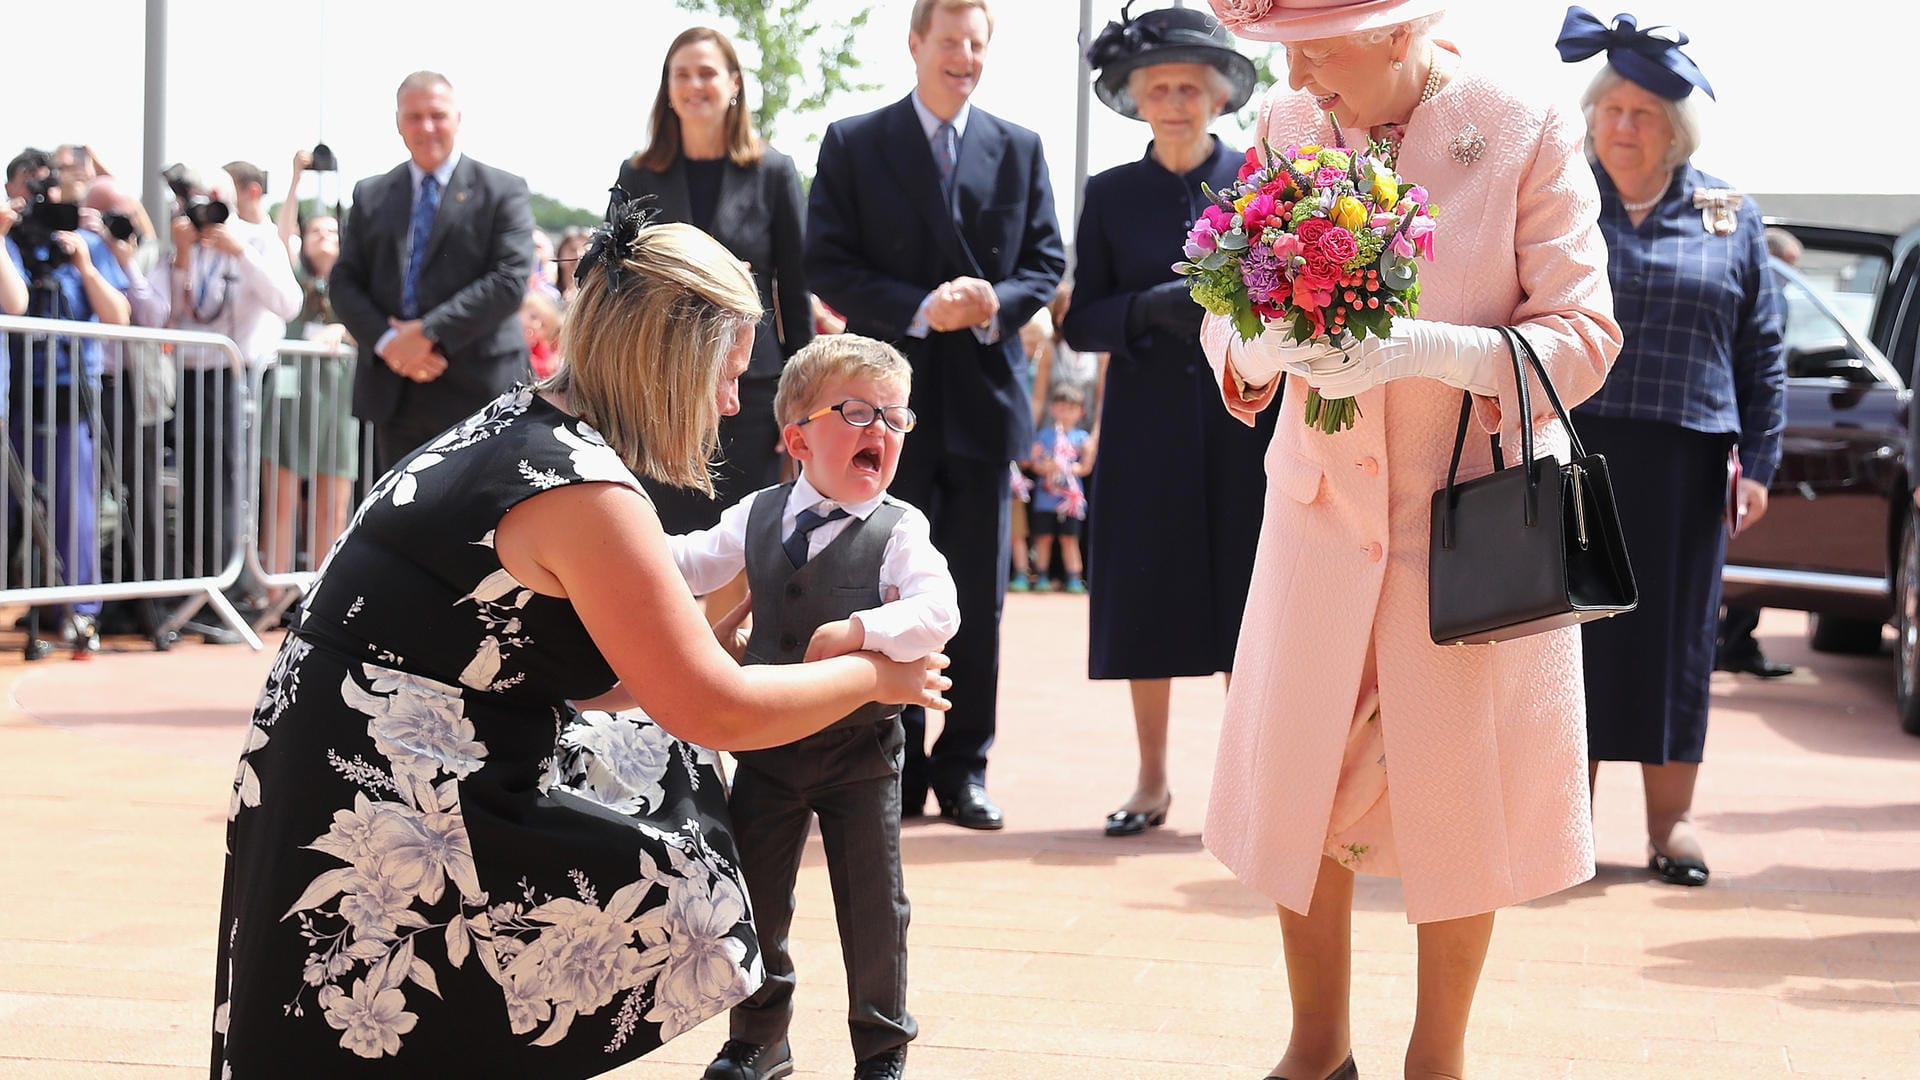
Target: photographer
54	382
230	277
136	400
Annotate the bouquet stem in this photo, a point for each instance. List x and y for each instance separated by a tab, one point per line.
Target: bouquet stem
1332	416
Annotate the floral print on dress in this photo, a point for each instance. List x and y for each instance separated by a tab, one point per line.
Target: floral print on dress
390	905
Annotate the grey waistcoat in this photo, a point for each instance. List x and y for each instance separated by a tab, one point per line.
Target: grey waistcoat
789	604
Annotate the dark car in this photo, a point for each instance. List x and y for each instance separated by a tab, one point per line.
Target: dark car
1841	538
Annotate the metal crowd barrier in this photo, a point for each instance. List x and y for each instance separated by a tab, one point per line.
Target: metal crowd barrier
308	457
111	491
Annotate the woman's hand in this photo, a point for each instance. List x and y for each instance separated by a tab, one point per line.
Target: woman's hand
1752	495
915	682
728	629
1260	361
1464	357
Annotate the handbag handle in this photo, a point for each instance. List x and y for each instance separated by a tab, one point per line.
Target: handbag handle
1516	344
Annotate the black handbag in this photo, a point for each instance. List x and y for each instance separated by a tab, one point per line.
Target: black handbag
1528	549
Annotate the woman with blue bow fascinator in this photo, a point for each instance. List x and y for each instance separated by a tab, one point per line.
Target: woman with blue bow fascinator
1701	373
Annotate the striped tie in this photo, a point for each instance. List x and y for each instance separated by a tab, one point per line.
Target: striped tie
943	156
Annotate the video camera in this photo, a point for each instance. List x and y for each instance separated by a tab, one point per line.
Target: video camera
33	233
199	209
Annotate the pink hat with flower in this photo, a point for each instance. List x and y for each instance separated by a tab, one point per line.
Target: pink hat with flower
1310	20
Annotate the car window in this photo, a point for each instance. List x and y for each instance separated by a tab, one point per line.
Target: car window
1819	342
1847	280
1810	325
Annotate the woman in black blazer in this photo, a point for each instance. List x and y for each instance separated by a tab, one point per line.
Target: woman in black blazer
705	166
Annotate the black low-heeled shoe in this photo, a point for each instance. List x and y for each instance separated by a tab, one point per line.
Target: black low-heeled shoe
1347	1071
1678	870
1135	822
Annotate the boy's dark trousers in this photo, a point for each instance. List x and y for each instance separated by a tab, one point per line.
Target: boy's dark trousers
850	777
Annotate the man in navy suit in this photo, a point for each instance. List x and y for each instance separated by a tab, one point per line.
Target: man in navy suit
433	266
931	225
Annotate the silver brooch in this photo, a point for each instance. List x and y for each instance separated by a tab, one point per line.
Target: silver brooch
1718	209
1467	146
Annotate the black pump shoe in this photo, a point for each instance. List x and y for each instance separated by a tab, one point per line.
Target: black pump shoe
1678	870
1347	1071
1135	822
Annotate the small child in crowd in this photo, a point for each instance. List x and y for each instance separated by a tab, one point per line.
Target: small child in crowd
834	565
540	325
1061	456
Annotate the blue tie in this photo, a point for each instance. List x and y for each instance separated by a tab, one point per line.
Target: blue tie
804	524
424	208
943	155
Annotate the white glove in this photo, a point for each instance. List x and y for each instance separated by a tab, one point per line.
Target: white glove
1259	360
1465	357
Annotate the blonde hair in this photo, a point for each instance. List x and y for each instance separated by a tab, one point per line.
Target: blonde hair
836	356
923	11
644	362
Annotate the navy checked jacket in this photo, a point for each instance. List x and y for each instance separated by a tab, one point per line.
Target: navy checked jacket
1702	318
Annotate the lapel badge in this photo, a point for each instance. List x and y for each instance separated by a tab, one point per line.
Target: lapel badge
1718	210
1467	146
460	196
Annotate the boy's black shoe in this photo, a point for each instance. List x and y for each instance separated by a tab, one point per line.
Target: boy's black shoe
891	1065
741	1060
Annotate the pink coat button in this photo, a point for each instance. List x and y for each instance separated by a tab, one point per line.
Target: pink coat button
1374	551
1370	466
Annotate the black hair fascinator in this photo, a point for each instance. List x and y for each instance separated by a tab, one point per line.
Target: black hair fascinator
612	240
1123	39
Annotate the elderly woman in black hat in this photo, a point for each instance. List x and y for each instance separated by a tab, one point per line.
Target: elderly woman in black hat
1702	372
1166	596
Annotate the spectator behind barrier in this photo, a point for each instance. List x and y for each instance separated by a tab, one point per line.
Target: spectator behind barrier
226	276
72	275
136	400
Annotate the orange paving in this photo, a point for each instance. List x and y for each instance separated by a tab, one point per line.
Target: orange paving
1049	950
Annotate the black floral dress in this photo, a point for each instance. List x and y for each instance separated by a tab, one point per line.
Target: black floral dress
434	867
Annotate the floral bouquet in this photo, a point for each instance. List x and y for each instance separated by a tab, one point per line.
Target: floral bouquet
1319	239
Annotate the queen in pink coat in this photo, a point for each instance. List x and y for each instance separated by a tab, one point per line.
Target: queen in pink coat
1351	742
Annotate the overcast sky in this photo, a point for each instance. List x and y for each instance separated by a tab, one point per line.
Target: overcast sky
559	90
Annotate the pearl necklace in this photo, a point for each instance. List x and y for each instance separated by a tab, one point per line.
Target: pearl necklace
1640	207
1428	91
1394	133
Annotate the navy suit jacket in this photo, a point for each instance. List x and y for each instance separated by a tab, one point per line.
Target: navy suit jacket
880	238
478	258
758	218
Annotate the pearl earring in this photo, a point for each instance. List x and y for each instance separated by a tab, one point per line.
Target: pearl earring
1398	64
731	102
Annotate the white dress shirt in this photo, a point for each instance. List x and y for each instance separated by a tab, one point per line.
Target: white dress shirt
922	611
249	297
929	124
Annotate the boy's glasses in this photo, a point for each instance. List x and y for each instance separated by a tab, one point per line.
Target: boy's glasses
863	413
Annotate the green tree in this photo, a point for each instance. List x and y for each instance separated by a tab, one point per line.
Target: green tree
553	215
803	63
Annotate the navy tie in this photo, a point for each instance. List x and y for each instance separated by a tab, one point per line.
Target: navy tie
803	525
943	156
424	208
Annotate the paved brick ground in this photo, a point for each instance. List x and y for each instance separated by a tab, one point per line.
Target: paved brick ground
1048	950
